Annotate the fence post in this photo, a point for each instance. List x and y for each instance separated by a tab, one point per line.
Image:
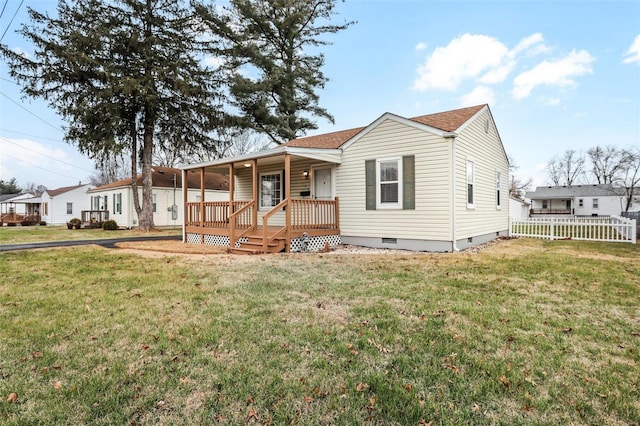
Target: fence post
634	231
510	226
552	229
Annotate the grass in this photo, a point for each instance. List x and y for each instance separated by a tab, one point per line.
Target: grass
34	234
525	332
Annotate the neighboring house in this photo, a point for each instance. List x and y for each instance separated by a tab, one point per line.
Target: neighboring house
60	205
579	200
518	207
437	182
8	203
115	200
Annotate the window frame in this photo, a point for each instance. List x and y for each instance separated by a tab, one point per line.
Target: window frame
154	202
580	202
595	203
471	183
69	208
498	190
261	194
117	203
397	205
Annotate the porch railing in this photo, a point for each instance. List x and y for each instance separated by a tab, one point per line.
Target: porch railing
241	218
94	216
213	214
550	211
314	214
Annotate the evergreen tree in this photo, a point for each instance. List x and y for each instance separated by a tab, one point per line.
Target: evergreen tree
9	187
265	45
122	73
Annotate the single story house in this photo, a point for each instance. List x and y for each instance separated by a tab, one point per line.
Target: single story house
436	182
115	200
579	200
60	205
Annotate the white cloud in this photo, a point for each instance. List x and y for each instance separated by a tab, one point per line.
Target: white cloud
421	46
473	56
553	101
479	95
633	53
560	73
464	57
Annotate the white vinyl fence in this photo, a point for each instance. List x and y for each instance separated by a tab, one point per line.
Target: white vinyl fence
600	228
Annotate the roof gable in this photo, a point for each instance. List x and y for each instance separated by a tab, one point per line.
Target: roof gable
58	191
162	177
447	121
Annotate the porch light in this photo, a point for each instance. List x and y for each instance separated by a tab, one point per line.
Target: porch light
247	164
305	173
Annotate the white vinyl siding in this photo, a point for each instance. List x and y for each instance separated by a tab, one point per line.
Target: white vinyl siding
55	208
487	153
431	218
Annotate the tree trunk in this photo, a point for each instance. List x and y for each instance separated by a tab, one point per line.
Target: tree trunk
146	215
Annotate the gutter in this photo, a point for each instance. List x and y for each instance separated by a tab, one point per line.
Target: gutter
452	137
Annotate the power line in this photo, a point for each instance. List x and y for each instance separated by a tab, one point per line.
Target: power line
5	5
39	167
12	18
29	134
47	156
35	115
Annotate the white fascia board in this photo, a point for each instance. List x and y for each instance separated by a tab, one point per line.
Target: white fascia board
330	155
238	159
394	117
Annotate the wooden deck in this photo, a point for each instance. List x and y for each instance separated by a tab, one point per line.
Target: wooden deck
238	220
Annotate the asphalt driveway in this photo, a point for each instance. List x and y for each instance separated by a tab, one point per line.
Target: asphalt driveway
104	242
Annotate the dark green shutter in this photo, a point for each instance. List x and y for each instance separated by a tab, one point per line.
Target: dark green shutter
370	180
408	182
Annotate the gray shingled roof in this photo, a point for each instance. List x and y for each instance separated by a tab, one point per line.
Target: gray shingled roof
547	192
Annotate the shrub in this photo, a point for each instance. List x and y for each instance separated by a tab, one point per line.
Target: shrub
109	225
43	223
74	223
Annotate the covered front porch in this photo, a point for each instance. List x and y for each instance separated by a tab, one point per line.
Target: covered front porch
279	200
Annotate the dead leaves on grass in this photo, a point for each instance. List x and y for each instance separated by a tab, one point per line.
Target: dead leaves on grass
13	397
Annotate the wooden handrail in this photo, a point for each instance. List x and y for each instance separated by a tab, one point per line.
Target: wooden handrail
232	224
265	218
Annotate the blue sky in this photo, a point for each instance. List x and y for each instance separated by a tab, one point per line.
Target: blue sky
557	75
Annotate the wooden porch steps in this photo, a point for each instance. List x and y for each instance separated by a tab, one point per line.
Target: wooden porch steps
254	245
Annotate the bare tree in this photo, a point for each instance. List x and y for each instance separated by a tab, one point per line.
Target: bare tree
517	186
33	188
566	170
554	170
110	170
607	164
630	177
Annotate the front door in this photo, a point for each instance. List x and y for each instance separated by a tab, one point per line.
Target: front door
322	185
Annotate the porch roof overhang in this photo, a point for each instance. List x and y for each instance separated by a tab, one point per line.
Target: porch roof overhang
270	156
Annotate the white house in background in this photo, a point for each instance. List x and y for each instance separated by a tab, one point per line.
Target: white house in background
9	204
115	200
60	205
518	207
580	200
436	182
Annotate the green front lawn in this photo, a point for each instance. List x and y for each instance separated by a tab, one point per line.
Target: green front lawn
36	234
524	332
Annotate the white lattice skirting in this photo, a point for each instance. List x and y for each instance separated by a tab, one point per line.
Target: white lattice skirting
315	243
213	240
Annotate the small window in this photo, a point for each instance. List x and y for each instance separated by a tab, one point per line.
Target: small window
498	184
388	175
470	183
155	203
545	204
595	203
270	190
117	203
69	208
580	202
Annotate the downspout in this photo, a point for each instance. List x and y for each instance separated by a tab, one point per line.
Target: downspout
452	137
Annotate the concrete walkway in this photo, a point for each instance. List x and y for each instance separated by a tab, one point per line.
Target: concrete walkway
104	242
